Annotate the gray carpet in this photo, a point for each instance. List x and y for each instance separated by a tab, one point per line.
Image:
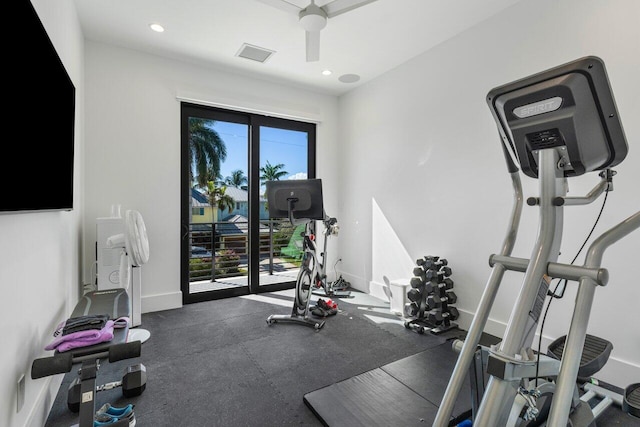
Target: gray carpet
218	363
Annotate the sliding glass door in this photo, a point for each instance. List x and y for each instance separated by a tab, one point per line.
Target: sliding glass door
229	244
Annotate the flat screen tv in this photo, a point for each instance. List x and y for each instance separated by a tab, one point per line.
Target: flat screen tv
304	196
36	166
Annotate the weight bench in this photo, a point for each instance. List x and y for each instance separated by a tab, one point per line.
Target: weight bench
81	394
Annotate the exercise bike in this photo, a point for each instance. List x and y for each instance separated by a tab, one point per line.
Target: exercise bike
301	202
558	124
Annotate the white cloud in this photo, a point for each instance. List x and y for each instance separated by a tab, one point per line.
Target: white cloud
299	175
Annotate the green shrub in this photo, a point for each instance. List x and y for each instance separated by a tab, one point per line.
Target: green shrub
199	268
227	262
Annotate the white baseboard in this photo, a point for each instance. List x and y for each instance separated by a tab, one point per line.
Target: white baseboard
379	290
159	302
44	402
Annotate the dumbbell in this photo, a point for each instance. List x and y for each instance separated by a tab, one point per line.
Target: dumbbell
436	265
134	382
433	262
445	270
414	295
451	297
436	276
423	287
416	282
419	272
411	309
427	259
434	301
435	317
448	283
451	314
438	316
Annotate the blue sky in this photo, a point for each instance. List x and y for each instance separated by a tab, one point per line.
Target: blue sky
276	146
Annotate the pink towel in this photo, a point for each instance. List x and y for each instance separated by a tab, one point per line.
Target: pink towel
82	338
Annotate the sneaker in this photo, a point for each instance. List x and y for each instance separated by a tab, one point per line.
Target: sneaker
329	308
319	312
108	414
106	419
328	305
104	422
116	412
340	284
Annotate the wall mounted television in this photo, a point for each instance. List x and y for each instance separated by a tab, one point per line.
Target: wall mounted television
36	165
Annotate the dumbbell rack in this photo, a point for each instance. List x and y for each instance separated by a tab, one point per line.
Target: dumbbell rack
432	298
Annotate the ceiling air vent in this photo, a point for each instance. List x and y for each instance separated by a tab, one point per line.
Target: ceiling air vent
254	53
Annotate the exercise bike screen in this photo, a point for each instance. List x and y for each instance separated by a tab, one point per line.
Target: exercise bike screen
305	196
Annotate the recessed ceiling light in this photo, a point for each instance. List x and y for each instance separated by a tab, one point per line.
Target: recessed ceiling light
326	73
156	27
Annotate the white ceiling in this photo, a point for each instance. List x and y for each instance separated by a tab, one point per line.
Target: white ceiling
367	41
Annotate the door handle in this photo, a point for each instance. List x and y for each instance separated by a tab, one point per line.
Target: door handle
185	227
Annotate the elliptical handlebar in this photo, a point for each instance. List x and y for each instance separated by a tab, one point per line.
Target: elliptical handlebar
330	226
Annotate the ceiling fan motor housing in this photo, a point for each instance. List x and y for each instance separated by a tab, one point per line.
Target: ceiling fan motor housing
313	18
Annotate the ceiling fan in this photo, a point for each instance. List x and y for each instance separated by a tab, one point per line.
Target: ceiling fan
313	18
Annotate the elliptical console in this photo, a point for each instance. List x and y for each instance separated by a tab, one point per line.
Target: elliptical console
570	107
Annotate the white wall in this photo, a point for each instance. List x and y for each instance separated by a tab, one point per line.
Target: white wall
420	148
40	256
133	147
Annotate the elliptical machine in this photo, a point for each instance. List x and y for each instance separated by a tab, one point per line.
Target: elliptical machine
559	123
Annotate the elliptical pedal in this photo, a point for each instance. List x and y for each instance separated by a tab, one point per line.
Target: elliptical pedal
631	402
595	354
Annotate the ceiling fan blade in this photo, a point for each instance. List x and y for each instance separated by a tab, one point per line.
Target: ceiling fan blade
283	5
313	45
338	7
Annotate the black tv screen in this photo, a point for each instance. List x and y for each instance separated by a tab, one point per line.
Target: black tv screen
36	166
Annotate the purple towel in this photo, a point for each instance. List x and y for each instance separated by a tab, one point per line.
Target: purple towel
82	338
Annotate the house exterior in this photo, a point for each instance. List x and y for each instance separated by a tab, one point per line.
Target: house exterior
231	227
202	212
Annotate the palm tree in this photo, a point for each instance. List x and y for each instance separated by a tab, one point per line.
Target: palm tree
206	150
218	198
272	172
236	179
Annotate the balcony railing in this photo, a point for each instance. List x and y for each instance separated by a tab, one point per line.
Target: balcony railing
221	249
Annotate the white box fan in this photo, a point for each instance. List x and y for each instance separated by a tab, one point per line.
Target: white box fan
122	247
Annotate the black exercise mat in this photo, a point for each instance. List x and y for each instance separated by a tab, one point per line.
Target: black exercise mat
427	373
373	398
403	393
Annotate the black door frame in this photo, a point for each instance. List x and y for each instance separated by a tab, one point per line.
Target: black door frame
254	121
